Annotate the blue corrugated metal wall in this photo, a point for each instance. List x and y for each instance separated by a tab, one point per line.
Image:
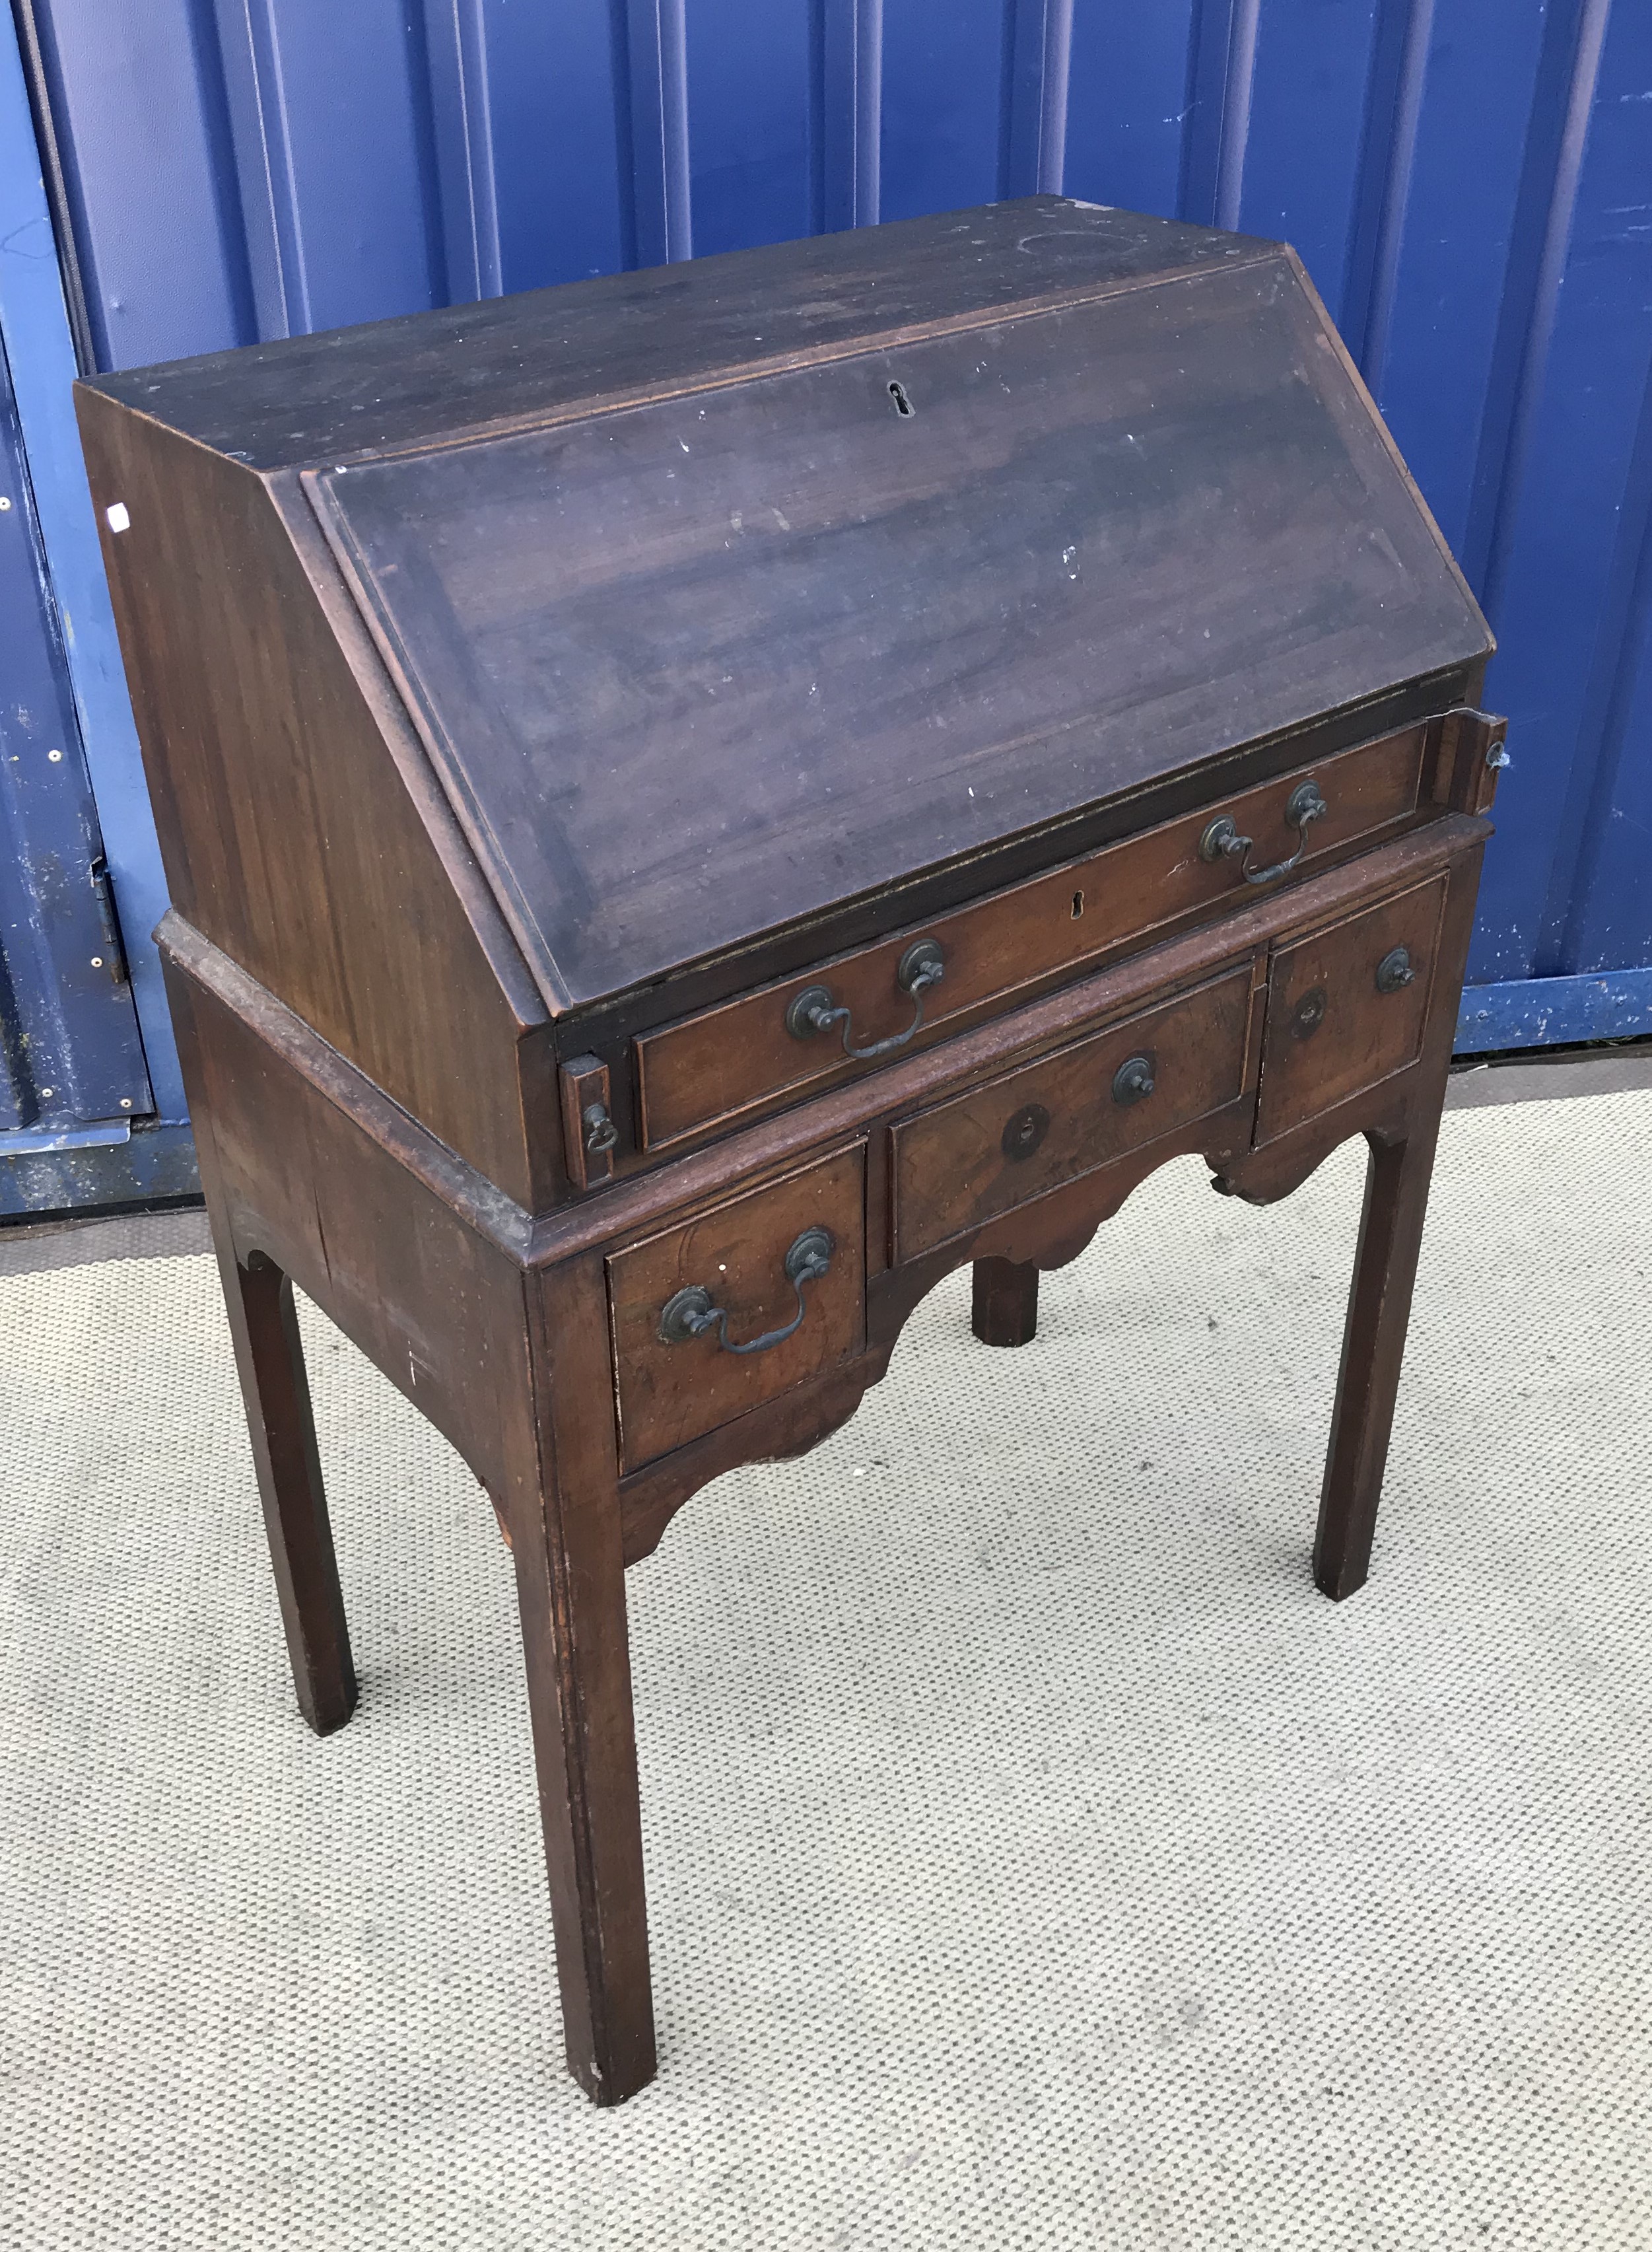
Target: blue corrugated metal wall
73	1079
69	1059
1469	181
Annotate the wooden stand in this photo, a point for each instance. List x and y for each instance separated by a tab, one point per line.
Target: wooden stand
498	1327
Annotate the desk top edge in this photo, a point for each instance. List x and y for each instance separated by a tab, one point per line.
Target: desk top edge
421	378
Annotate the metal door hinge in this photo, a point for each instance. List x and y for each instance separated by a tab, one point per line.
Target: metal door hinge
112	955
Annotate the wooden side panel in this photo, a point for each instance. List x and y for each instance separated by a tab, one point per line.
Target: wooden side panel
435	1307
289	835
670	1393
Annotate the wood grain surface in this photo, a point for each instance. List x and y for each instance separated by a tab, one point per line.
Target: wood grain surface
695	670
588	346
672	1392
711	1068
301	829
1329	1029
1002	1144
535	695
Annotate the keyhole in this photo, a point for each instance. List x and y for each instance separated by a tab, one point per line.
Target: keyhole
1078	905
1024	1131
903	405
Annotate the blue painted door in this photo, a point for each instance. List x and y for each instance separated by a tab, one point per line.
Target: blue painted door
71	1068
91	1105
1469	181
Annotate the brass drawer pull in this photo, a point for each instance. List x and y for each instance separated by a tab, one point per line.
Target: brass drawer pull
814	1011
1222	841
692	1311
1134	1082
1394	971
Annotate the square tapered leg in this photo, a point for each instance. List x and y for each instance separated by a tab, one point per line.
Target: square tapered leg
269	1357
1373	1345
1004	1302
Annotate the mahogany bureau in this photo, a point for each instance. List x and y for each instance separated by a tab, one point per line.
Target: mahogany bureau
697	802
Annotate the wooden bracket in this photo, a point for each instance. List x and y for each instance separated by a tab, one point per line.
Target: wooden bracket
1468	759
587	1129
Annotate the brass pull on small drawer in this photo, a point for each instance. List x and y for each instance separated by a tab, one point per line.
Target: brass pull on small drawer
814	1011
1394	971
692	1311
1222	841
1134	1082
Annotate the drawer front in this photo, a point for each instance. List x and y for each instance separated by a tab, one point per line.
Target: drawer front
1346	1007
685	1300
981	1155
711	1067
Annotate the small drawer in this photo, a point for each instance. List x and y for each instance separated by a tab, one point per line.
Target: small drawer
1346	1007
720	1312
969	1161
711	1068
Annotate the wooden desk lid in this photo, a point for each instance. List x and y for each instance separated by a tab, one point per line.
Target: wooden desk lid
710	626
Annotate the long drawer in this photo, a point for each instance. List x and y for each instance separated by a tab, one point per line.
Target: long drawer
967	1161
711	1069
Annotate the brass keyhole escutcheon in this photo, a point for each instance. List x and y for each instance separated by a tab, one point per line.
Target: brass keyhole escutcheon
1309	1014
1024	1131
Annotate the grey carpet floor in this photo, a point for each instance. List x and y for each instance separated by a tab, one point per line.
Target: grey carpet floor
1035	1859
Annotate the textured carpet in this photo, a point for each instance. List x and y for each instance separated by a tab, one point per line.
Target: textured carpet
1035	1859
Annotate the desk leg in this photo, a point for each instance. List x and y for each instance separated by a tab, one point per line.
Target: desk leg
564	1508
270	1358
1004	1308
1391	1227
